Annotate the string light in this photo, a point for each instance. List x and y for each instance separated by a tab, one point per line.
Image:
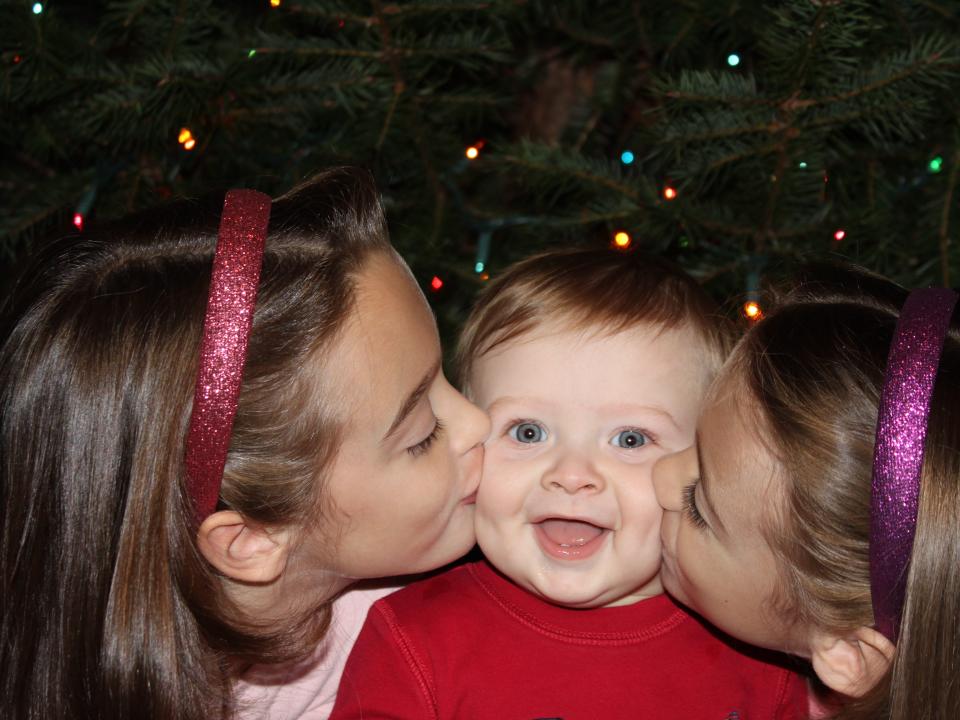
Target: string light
802	165
253	51
621	240
670	193
935	165
839	235
37	8
478	268
485	276
436	283
186	139
473	151
752	310
274	3
733	59
626	157
78	221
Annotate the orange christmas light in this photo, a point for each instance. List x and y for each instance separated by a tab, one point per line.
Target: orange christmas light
622	240
752	310
670	193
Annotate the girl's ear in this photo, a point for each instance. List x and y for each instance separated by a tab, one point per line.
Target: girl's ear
241	550
851	664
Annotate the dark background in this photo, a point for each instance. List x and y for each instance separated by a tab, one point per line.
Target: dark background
834	132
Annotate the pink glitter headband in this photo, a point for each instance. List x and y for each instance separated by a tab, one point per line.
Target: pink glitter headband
898	456
226	333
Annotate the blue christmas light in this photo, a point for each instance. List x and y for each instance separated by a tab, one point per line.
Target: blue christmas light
626	157
802	165
733	59
478	268
37	8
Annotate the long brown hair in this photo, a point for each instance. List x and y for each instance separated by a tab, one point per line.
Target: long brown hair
814	368
108	609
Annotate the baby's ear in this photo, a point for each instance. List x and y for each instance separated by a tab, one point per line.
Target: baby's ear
242	550
852	664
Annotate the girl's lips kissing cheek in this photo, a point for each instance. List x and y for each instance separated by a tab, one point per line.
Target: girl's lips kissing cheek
569	539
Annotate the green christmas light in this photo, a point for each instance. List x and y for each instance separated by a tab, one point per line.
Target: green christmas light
935	165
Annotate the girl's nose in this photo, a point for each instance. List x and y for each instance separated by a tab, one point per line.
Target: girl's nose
573	473
469	425
671	474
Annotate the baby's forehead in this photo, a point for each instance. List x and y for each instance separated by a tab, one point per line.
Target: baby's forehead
683	337
594	368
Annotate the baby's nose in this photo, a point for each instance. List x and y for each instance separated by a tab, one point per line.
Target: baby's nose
573	474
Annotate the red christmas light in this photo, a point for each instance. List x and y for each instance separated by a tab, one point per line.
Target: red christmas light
436	283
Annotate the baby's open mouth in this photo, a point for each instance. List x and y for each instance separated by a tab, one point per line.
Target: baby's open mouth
569	539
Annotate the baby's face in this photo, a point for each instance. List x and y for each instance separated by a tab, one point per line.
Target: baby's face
566	506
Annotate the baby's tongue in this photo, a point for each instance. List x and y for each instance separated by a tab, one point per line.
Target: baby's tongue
570	532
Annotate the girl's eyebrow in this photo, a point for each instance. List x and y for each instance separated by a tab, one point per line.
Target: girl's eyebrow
412	399
703	486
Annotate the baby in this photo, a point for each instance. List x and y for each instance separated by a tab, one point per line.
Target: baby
592	365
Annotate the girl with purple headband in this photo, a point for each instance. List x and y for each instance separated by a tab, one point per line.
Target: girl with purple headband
205	437
820	510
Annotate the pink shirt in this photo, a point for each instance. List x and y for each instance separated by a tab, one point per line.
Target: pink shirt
308	689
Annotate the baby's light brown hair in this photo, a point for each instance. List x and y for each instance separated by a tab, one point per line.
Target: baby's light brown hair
585	288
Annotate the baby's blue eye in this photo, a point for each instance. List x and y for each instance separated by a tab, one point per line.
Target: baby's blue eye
527	432
629	439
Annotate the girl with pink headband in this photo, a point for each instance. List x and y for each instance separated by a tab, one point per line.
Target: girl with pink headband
820	511
205	437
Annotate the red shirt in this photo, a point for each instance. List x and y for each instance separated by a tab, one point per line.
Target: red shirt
470	644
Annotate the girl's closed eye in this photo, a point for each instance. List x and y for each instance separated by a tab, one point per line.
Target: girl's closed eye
631	438
690	506
527	432
424	445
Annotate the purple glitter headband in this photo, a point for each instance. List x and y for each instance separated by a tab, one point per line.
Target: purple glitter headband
226	333
898	456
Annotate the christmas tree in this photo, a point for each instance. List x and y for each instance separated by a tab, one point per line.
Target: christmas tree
734	137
